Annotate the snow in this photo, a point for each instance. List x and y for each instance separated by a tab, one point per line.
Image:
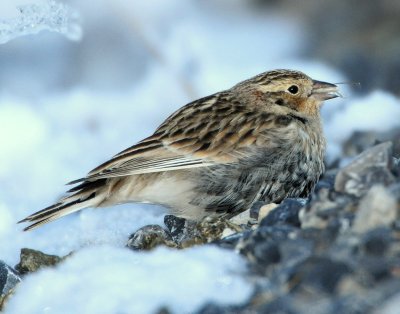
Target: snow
193	49
33	18
124	282
377	111
26	127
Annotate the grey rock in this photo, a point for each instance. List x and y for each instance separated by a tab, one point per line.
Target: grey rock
377	208
359	141
9	278
187	233
328	208
148	237
371	167
32	260
319	273
267	247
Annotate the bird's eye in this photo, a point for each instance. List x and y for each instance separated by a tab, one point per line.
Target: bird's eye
293	89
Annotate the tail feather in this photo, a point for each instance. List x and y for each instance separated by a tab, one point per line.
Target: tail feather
58	213
85	185
86	196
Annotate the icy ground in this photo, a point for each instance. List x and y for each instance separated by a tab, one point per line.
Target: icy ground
50	140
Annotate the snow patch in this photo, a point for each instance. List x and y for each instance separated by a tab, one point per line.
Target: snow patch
116	280
22	131
378	111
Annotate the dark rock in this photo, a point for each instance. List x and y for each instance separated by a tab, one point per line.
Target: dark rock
319	274
163	310
267	253
286	213
377	268
232	241
175	225
148	237
377	242
371	167
280	305
184	232
32	260
212	308
396	168
9	278
268	247
327	181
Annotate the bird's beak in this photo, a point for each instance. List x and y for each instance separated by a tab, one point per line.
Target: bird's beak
324	91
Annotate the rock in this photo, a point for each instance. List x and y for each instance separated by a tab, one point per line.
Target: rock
362	140
184	232
32	260
242	218
187	233
176	226
269	246
163	310
212	308
327	181
260	209
328	208
377	208
181	233
286	213
377	242
148	237
396	168
319	274
265	210
9	278
371	167
255	209
280	305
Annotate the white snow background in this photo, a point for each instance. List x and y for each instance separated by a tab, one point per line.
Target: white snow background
56	135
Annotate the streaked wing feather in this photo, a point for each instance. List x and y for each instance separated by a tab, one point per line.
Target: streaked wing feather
215	129
141	166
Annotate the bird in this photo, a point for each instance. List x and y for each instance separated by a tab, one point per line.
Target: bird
260	140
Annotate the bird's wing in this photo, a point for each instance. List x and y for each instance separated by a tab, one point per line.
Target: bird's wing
212	130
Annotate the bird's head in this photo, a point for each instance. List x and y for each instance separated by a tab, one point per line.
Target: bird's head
291	89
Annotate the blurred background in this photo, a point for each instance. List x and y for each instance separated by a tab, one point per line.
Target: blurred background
73	97
123	40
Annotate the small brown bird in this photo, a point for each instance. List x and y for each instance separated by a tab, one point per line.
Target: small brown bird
262	139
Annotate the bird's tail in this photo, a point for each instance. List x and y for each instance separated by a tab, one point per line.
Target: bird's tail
84	195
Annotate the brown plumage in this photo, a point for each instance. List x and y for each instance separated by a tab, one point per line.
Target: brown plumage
260	140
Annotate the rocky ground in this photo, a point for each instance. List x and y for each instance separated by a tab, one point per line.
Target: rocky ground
336	252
